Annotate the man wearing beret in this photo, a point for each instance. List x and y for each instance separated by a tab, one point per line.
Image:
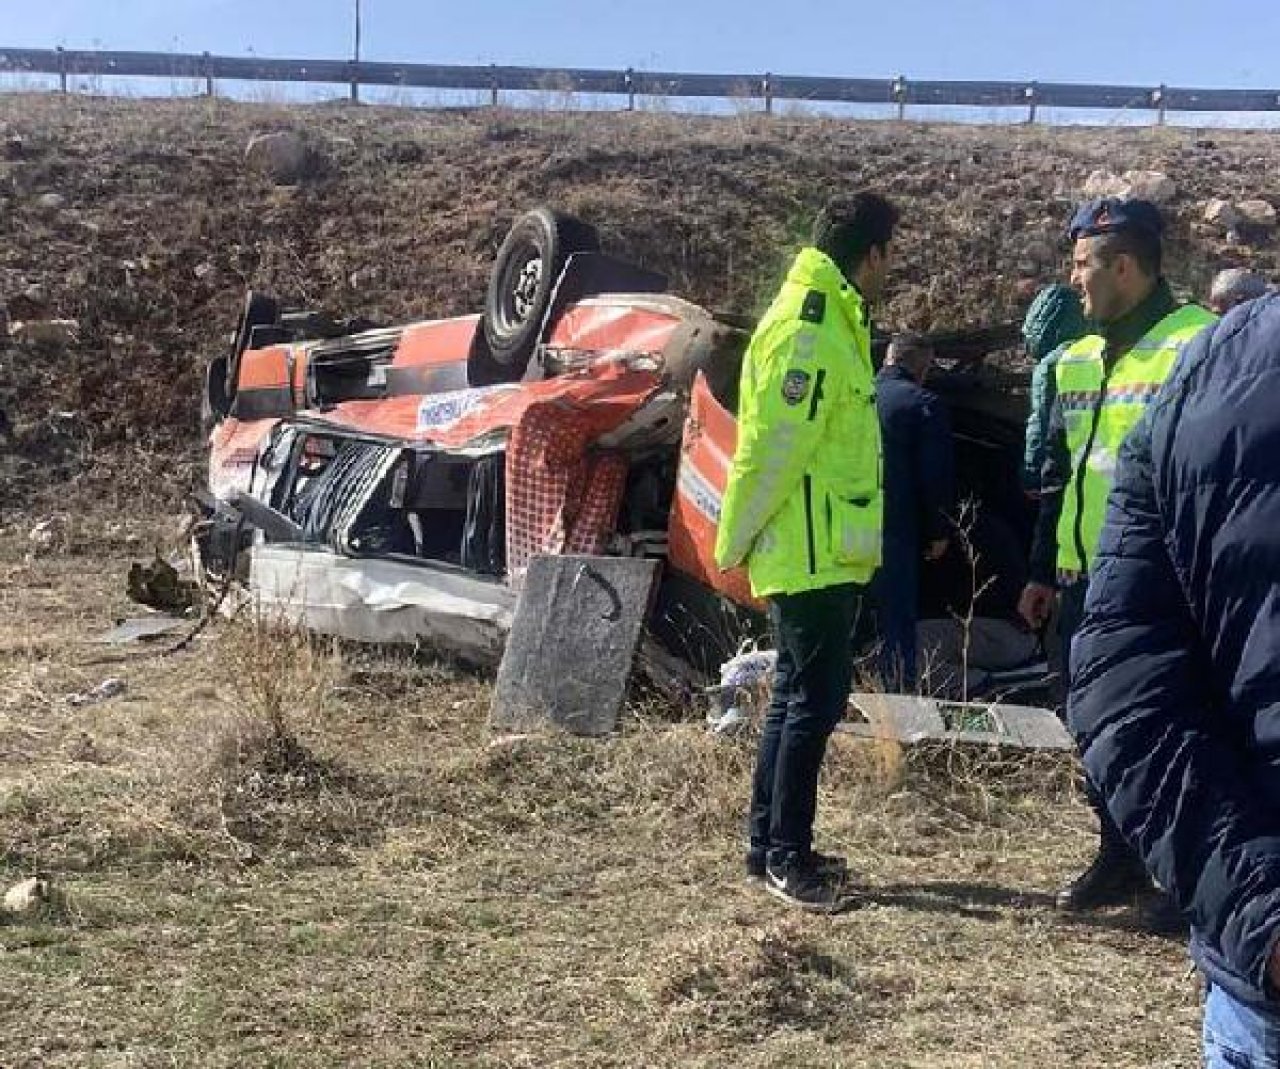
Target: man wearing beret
1103	384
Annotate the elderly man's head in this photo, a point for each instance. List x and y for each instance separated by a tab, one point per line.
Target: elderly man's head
912	352
1234	286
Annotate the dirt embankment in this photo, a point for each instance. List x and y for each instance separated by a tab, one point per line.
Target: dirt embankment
139	221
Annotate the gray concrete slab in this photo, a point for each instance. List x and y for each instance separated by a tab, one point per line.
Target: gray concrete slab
573	642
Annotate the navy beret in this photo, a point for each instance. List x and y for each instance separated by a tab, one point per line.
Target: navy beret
1107	215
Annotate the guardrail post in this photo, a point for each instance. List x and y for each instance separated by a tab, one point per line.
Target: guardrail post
208	75
766	89
629	84
1030	94
1158	99
493	85
62	70
900	95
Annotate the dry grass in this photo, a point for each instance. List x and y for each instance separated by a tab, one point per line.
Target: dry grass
275	852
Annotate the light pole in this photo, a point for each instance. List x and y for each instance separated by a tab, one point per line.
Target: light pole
355	77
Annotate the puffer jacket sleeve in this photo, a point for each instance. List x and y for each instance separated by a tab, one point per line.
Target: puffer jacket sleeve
1141	710
791	377
1043	391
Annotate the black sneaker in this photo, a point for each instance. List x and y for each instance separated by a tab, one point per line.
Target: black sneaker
823	863
1114	876
802	886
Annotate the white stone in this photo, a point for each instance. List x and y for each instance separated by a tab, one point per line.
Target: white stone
46	535
1104	184
27	897
48	332
1221	213
1259	213
1155	186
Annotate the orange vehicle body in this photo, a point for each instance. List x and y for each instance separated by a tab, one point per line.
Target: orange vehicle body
609	364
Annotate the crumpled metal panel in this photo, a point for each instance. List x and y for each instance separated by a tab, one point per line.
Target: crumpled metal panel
383	601
911	719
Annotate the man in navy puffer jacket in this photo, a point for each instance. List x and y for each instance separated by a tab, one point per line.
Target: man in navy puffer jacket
1175	689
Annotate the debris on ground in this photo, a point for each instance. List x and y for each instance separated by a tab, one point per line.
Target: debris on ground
159	585
47	536
104	691
912	719
141	628
745	681
28	897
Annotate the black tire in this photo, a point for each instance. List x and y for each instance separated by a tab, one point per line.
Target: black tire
259	311
483	369
524	274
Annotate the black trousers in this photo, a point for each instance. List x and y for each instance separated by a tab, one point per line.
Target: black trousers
1070	616
896	592
813	635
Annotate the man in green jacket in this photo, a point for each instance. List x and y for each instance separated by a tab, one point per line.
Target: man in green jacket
803	510
1054	320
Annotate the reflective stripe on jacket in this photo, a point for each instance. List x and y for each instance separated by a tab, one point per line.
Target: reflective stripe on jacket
1099	409
803	506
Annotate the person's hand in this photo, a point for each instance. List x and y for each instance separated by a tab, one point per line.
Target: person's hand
1035	603
935	549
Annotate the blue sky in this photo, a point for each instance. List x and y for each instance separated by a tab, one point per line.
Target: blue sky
1226	43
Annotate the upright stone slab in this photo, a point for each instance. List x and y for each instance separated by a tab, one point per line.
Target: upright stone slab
572	644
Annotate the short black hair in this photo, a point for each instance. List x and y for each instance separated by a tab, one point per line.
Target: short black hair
847	228
1142	245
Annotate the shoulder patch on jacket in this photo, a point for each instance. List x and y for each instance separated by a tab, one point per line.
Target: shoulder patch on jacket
815	306
795	387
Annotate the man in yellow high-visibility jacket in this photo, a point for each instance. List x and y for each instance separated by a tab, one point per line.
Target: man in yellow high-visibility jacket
1102	385
803	510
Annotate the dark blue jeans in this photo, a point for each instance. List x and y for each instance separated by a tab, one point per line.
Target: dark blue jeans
813	635
1237	1036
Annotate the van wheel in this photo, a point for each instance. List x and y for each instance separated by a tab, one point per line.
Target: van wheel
525	271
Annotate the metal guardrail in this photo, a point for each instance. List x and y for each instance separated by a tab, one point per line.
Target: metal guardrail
768	88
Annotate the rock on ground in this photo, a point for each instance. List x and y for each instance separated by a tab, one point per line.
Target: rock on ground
27	897
285	157
1221	213
1259	213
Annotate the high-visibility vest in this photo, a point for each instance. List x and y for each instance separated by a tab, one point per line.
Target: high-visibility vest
1099	410
804	506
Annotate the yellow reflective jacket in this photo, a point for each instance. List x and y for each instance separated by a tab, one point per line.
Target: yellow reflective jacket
1099	409
803	506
